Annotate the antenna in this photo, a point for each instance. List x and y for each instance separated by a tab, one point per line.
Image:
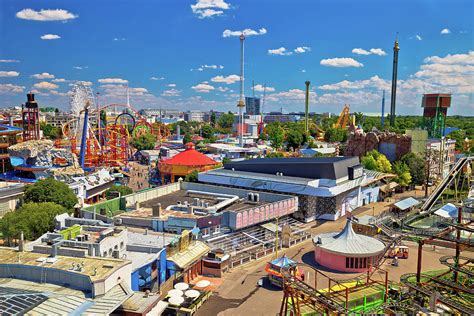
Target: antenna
253	90
263	99
241	103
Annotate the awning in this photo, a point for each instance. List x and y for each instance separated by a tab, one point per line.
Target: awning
194	252
448	211
388	187
406	203
271	227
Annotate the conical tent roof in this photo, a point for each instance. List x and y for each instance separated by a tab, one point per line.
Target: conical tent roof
282	262
348	242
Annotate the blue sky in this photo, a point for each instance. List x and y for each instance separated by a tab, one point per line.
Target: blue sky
174	53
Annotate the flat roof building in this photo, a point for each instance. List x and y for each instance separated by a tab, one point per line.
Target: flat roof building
327	188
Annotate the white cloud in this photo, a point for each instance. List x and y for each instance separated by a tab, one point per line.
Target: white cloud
171	93
59	80
290	95
260	88
360	51
418	37
116	39
374	51
303	70
80	67
203	87
445	31
8	88
9	73
208	8
45	15
302	49
45	85
341	62
222	89
157	78
43	75
453	73
282	51
113	80
228	79
378	51
50	37
9	61
373	82
247	32
203	67
61	94
465	59
171	85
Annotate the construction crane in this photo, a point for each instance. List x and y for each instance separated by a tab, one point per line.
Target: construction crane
343	117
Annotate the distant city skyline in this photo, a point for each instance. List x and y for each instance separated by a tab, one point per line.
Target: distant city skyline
185	54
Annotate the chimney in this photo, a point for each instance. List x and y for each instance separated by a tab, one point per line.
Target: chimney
21	246
156	210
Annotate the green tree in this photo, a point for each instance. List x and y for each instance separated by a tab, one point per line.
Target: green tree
50	190
276	134
187	138
207	131
213	119
50	131
122	189
335	135
459	136
33	219
275	155
226	120
374	160
416	164
103	117
294	138
192	177
402	171
143	142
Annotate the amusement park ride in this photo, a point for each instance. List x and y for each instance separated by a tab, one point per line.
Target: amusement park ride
105	140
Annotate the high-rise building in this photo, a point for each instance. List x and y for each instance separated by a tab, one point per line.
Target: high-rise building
252	105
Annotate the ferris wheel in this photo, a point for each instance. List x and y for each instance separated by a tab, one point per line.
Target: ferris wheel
81	93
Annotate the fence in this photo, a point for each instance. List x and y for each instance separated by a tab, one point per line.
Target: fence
149	194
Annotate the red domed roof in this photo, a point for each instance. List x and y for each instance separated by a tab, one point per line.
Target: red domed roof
190	157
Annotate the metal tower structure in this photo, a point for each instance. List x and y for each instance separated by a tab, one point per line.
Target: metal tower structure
393	96
435	109
241	103
306	108
383	110
30	119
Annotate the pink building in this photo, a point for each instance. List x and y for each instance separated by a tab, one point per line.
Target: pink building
347	251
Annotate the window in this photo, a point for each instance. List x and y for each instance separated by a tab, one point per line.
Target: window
352	263
206	232
357	263
347	262
365	263
217	229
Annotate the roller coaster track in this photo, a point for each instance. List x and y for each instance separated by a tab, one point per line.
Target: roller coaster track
445	260
428	292
311	292
430	202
